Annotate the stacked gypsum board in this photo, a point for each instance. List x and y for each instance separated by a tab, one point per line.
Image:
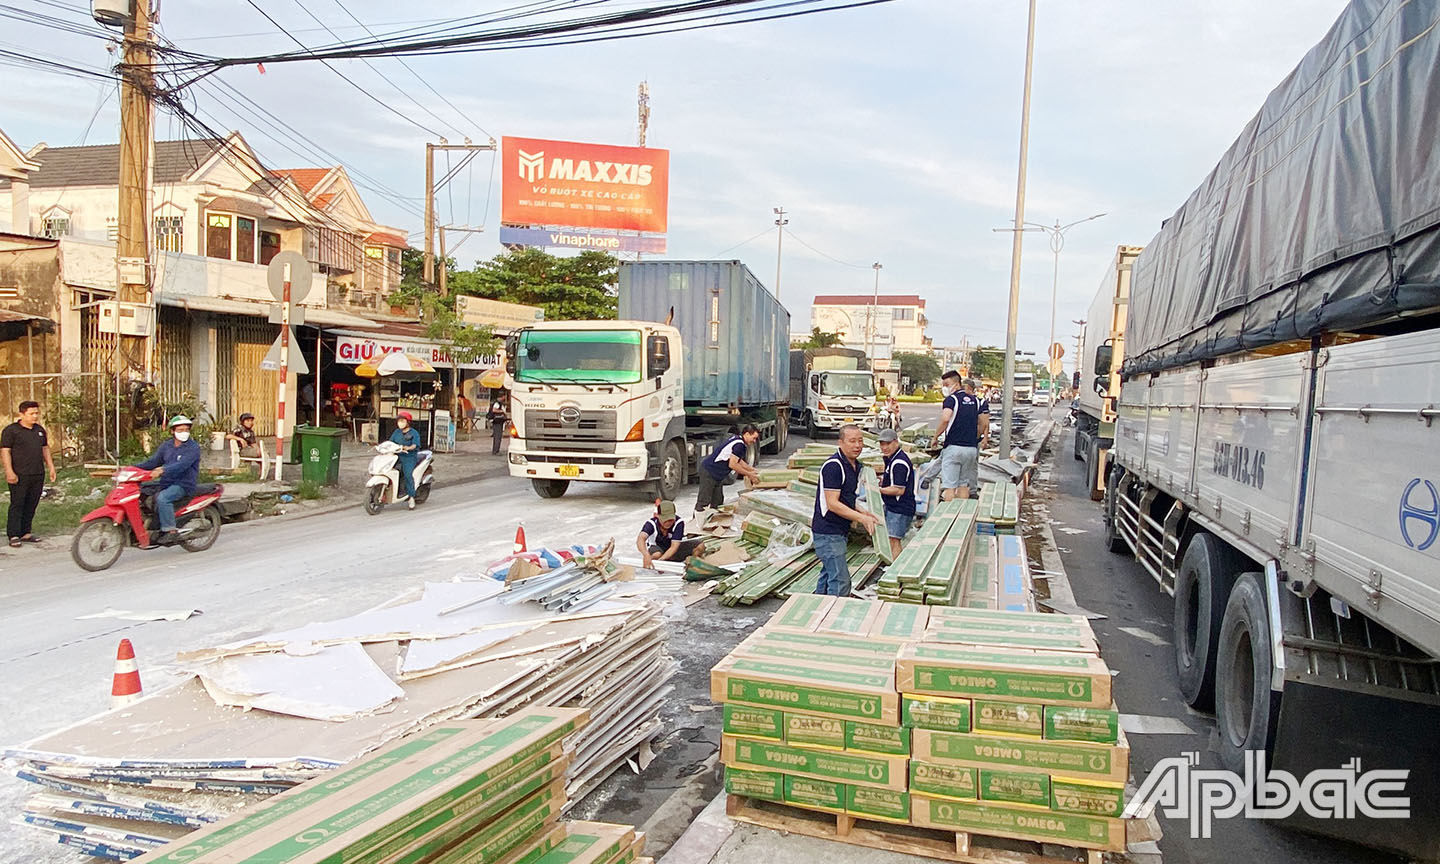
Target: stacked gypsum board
999	510
944	582
907	572
171	768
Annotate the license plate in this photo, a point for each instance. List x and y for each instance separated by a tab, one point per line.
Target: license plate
849	419
568	470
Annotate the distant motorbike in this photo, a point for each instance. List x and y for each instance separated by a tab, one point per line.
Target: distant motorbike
128	518
1073	415
383	487
886	420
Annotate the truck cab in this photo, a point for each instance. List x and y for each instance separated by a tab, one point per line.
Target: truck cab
831	387
596	400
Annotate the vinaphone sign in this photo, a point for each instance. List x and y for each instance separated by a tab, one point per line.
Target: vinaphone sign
575	185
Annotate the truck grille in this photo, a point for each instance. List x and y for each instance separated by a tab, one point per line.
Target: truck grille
583	431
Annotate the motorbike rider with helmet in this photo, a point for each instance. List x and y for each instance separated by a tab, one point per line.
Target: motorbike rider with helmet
174	471
408	438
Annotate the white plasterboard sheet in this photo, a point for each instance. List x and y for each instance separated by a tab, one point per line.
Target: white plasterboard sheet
337	683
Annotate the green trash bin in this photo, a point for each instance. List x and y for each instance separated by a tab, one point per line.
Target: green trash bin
320	454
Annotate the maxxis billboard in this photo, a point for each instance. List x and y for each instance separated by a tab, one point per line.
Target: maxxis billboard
583	185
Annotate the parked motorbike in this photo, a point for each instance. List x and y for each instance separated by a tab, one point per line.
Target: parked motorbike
127	518
1073	415
383	487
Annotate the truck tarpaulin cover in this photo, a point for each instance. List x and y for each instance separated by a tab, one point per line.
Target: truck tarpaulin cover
1323	216
583	185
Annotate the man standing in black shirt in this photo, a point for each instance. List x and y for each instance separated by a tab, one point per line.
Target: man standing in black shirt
25	450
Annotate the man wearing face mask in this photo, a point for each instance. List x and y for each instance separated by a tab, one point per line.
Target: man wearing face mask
174	470
964	424
409	440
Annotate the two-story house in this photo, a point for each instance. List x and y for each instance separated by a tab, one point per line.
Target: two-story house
895	324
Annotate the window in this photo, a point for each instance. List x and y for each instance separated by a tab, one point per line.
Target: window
168	237
394	257
374	252
269	246
217	235
244	239
901	314
230	236
56	226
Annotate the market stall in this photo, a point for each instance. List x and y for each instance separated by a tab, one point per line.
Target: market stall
403	382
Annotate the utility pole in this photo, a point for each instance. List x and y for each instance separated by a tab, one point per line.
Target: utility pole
431	187
642	129
874	312
429	213
444	270
1008	404
780	223
132	242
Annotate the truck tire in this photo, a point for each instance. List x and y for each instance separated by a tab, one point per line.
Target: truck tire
1246	709
1202	587
810	431
782	433
1080	440
549	487
1113	541
672	471
1092	467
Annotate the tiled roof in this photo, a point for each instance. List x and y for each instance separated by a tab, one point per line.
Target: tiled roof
867	299
305	178
320	202
99	164
381	238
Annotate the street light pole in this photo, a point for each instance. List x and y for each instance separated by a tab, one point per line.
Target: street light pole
874	311
1008	404
780	223
1057	242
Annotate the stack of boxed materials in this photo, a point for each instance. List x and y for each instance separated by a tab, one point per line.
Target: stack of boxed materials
999	508
479	790
931	566
998	574
985	722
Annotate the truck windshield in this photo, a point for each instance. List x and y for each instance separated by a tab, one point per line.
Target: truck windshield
837	384
580	356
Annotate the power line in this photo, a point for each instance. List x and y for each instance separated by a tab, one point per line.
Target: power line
822	254
741	243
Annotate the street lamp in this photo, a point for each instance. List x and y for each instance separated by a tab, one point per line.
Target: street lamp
874	311
780	223
1057	242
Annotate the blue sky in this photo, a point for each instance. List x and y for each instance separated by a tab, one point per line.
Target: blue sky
889	133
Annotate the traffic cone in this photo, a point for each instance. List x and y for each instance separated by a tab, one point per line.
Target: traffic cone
519	539
126	685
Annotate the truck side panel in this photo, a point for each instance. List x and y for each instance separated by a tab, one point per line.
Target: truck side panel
1132	417
1170	429
736	336
1106	322
1373	503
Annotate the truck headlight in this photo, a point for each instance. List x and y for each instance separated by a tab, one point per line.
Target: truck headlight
628	462
518	459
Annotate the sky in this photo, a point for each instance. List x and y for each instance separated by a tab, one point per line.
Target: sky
889	133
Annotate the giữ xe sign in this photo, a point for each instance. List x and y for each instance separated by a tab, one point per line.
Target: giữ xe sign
579	185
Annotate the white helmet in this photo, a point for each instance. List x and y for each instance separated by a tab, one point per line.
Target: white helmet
180	420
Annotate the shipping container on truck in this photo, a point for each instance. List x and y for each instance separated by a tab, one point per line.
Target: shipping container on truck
1102	353
1276	457
830	387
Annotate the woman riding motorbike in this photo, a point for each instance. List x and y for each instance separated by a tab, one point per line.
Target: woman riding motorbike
409	441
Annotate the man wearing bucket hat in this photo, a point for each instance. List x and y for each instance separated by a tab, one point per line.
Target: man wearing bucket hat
174	470
662	537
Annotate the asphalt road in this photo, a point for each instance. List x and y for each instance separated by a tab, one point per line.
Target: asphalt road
1135	639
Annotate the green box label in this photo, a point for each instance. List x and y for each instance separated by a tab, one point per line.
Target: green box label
768	785
942	715
1099	725
754	722
1081	760
948	780
788	652
801	730
982	818
817	700
1022	718
808	792
872	738
842	767
877	803
1015	786
1091	800
996	682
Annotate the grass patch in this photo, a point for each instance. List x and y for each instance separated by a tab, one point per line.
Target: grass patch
72	496
309	490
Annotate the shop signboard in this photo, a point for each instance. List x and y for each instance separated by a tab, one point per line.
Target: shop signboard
582	238
354	350
545	182
478	311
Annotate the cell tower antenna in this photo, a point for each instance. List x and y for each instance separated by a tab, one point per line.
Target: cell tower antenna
643	101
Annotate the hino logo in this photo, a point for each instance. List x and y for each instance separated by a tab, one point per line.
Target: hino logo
532	165
531	169
569	414
1420	509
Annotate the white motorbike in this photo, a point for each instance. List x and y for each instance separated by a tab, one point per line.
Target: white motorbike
886	420
383	487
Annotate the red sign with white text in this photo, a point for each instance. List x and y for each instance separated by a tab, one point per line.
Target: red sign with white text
583	185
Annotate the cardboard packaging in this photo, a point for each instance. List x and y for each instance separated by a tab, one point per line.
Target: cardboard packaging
767	785
1092	799
885	772
1019	822
900	622
1096	725
760	646
1104	762
947	781
1016	787
815	794
882	804
592	843
850	617
1008	718
754	722
1059	677
805	731
830	691
873	738
1014	639
847	645
802	612
941	713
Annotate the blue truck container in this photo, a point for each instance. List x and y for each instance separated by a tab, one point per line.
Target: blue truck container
735	334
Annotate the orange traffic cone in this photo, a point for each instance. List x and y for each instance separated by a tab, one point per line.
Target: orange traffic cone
126	685
519	539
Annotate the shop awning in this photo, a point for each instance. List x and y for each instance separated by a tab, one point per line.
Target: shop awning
204	303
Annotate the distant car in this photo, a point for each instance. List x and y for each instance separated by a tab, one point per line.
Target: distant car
1040	397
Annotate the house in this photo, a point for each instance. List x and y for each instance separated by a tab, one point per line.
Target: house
898	322
218	218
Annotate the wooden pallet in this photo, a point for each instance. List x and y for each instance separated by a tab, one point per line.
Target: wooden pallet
958	846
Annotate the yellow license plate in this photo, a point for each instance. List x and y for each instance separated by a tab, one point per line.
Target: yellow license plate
849	419
568	470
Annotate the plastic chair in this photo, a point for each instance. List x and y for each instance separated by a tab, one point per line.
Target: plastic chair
235	458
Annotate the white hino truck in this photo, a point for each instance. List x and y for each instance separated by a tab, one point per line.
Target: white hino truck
1100	369
1276	460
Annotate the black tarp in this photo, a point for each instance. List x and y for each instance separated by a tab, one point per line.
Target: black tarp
1323	216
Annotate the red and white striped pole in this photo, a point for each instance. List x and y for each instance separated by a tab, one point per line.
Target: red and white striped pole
284	375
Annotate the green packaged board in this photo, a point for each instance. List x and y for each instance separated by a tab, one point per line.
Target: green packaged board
767	785
815	794
949	781
809	688
1059	676
754	722
1098	725
883	804
886	772
1110	763
1016	787
1019	822
1007	718
1093	799
874	738
940	713
804	731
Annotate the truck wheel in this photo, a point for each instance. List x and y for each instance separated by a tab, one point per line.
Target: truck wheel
1113	541
672	471
782	434
1246	709
1202	586
549	487
1080	440
1092	467
810	431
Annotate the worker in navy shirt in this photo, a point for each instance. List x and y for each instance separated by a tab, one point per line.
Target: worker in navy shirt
897	489
729	456
662	537
964	424
174	471
835	508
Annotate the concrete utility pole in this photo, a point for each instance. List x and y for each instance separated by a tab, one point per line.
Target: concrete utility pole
780	223
1018	234
642	131
874	313
444	270
132	242
431	187
429	213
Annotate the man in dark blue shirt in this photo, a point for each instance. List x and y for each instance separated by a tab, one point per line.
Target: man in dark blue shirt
964	424
662	537
729	456
174	470
835	509
897	489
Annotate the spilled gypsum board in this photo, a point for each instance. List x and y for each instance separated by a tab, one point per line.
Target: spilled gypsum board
181	808
879	537
147	835
810	580
84	805
767	583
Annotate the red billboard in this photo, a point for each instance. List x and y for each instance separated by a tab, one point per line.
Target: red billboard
583	185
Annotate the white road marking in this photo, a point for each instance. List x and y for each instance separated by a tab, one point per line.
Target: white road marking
1144	635
1149	724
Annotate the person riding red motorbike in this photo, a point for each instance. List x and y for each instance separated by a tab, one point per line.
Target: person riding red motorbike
174	471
